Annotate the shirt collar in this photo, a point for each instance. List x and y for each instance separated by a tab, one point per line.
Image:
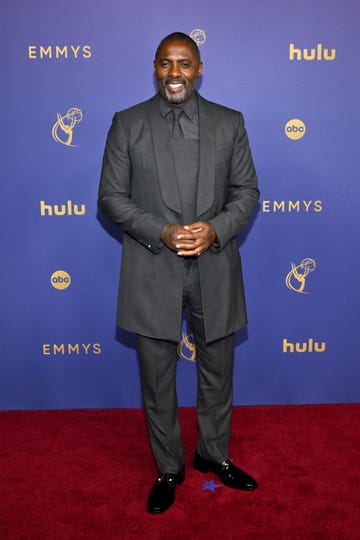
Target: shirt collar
190	107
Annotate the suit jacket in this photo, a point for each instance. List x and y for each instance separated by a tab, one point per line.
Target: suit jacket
138	191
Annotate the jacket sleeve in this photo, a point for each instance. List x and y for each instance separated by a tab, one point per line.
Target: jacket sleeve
243	192
114	197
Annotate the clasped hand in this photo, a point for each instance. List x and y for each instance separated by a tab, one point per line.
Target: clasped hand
188	240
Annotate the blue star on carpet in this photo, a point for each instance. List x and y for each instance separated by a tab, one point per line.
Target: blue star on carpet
210	486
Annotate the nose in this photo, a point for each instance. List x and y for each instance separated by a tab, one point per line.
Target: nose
174	70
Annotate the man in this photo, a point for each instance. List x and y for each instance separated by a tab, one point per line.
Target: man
178	178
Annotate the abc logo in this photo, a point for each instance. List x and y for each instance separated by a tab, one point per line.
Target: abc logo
60	280
295	129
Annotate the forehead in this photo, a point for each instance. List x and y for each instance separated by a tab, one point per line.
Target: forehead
175	50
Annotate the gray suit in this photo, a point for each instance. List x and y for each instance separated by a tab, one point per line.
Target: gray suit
138	191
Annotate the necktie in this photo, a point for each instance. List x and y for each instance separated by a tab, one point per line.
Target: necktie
177	132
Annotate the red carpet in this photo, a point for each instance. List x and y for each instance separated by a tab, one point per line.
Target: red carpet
85	475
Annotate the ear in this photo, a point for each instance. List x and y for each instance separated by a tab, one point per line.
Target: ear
199	71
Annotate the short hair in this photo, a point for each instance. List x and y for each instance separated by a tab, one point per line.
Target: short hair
179	36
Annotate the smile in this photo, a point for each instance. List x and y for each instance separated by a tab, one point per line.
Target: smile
175	86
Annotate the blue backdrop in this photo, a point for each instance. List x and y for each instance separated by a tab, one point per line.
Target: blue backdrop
291	68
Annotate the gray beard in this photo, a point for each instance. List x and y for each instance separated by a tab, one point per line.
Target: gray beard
178	98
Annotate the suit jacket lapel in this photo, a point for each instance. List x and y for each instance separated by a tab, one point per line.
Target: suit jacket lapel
206	182
163	157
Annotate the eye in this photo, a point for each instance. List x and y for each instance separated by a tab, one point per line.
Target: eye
164	63
185	64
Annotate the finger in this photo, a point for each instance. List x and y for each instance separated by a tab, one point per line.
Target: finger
187	253
190	243
186	236
187	250
197	224
194	250
186	245
195	227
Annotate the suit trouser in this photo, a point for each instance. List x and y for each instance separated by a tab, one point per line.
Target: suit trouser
158	360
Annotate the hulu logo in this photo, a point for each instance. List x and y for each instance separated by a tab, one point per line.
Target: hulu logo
316	53
307	346
68	209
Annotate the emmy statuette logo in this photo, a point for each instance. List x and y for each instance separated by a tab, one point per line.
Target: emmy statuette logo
186	348
198	36
295	129
62	130
296	278
60	280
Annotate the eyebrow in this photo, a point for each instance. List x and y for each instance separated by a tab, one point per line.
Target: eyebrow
173	59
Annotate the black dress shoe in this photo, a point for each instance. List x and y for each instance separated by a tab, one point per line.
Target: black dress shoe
229	474
162	494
